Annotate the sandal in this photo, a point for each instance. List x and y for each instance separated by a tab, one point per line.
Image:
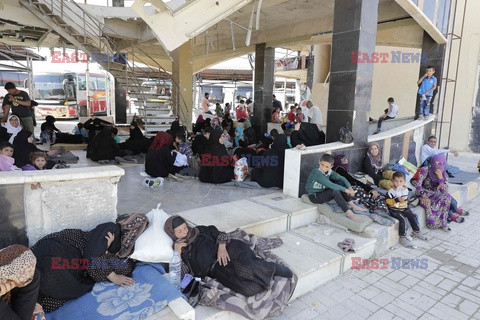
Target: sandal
446	229
347	245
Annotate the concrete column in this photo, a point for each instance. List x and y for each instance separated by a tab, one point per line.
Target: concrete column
182	88
354	30
321	66
120	103
432	55
264	82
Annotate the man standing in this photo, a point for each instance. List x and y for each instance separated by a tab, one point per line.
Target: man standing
276	103
314	114
19	102
206	104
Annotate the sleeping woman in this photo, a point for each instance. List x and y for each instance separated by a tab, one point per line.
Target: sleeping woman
205	251
72	260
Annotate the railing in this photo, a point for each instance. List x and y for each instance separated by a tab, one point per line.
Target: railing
93	30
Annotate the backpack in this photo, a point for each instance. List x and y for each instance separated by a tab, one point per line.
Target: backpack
345	135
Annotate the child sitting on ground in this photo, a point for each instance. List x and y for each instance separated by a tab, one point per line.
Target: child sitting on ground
48	136
6	159
115	135
182	146
324	184
226	138
397	201
80	130
38	160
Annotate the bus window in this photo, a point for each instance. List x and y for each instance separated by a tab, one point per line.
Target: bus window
100	83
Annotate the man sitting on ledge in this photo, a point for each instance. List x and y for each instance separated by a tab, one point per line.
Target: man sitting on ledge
430	149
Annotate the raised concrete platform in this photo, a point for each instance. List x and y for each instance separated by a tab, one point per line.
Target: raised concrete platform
309	248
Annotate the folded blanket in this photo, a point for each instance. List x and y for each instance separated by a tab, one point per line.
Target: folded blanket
150	294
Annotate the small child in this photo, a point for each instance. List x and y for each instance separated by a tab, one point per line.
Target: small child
292	115
115	135
390	113
299	116
48	136
6	160
239	137
226	139
183	147
397	202
38	161
80	130
324	184
428	84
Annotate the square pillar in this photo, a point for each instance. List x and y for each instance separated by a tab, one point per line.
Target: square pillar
182	87
263	90
354	30
433	54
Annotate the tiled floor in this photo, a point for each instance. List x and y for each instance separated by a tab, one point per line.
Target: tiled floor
448	286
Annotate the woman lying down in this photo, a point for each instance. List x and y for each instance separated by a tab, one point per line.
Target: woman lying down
205	251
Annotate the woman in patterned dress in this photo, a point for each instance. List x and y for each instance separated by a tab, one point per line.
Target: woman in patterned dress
432	187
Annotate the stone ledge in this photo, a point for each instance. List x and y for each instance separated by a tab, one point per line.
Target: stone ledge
25	177
400	130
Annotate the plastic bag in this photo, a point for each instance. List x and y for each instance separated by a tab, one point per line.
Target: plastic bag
240	170
345	135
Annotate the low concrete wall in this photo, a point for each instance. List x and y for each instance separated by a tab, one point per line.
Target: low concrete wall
78	198
403	141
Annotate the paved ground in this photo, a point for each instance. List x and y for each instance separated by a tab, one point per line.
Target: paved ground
448	288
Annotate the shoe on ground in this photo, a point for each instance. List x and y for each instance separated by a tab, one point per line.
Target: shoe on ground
446	229
406	243
376	131
420	118
419	235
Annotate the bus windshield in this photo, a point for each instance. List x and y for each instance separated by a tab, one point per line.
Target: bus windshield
49	86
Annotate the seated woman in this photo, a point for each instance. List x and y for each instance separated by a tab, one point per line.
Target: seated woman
13	127
160	157
199	143
205	251
271	174
137	142
199	124
94	126
432	188
22	148
104	147
19	284
372	163
72	260
212	169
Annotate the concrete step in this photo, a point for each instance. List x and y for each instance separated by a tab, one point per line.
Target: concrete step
134	94
155	104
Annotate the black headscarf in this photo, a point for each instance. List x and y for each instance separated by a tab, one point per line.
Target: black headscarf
22	148
272	174
135	133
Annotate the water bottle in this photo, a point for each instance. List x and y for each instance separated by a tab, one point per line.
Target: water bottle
175	269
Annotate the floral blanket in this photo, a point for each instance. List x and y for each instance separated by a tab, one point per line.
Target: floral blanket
150	294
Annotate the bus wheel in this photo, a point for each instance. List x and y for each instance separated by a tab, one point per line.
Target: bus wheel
83	111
